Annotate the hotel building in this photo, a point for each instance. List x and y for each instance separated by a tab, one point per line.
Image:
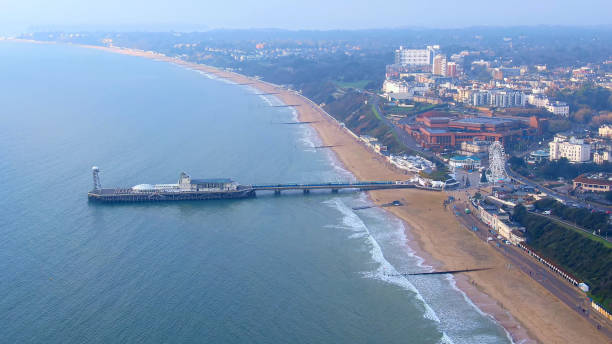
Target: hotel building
574	150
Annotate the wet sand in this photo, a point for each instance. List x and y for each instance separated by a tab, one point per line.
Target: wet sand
524	308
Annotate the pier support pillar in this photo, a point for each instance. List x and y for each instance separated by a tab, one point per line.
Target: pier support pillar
306	191
277	192
334	190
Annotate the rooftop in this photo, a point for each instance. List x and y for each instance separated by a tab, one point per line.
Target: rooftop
483	120
463	157
540	153
437	131
599	176
212	181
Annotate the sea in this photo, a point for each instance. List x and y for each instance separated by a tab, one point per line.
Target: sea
293	268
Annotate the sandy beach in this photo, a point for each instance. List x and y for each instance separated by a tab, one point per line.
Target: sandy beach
524	308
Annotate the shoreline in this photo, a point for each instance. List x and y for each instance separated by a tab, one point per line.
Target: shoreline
532	315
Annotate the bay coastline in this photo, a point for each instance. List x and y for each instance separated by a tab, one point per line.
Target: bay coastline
526	310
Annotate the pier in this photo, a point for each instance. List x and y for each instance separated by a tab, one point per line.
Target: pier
221	188
334	187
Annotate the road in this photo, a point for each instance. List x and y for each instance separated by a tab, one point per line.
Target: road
564	198
562	289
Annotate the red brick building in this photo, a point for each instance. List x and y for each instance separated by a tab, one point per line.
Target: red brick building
439	130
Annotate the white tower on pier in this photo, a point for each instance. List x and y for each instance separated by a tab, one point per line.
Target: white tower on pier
96	178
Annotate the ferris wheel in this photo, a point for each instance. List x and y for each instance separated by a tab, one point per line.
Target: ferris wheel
497	162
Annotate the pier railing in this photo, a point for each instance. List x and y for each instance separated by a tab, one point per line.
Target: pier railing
363	185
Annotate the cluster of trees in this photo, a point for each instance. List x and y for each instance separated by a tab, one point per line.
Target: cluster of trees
555	169
588	96
585	258
585	218
586	102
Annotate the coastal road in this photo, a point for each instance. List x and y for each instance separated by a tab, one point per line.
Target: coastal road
564	198
517	258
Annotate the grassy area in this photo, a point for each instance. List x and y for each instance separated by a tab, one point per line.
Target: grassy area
355	84
587	257
416	109
376	113
589	236
438	175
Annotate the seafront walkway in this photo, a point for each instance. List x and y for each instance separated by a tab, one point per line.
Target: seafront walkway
517	258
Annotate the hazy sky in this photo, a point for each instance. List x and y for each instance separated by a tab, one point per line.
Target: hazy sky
18	15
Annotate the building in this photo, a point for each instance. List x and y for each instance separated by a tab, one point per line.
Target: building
605	131
600	157
465	162
373	143
393	86
506	98
558	108
538	156
439	65
574	150
440	130
510	72
593	182
416	57
499	98
537	100
412	163
475	147
451	70
498	220
491	214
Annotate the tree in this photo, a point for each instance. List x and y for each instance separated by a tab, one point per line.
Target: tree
483	176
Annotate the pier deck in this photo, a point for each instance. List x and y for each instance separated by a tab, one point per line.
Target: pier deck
220	188
334	187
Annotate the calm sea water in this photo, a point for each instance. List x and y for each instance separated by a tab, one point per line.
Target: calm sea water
289	269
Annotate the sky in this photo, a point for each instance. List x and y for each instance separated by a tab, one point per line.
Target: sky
186	15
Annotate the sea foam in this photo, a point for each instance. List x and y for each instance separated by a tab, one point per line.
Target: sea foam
385	270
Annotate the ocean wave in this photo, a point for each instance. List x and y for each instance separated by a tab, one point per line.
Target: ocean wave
453	283
385	270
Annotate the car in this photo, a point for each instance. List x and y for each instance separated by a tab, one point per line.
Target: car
546	212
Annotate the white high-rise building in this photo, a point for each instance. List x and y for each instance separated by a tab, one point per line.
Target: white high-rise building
507	98
498	98
416	57
573	149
